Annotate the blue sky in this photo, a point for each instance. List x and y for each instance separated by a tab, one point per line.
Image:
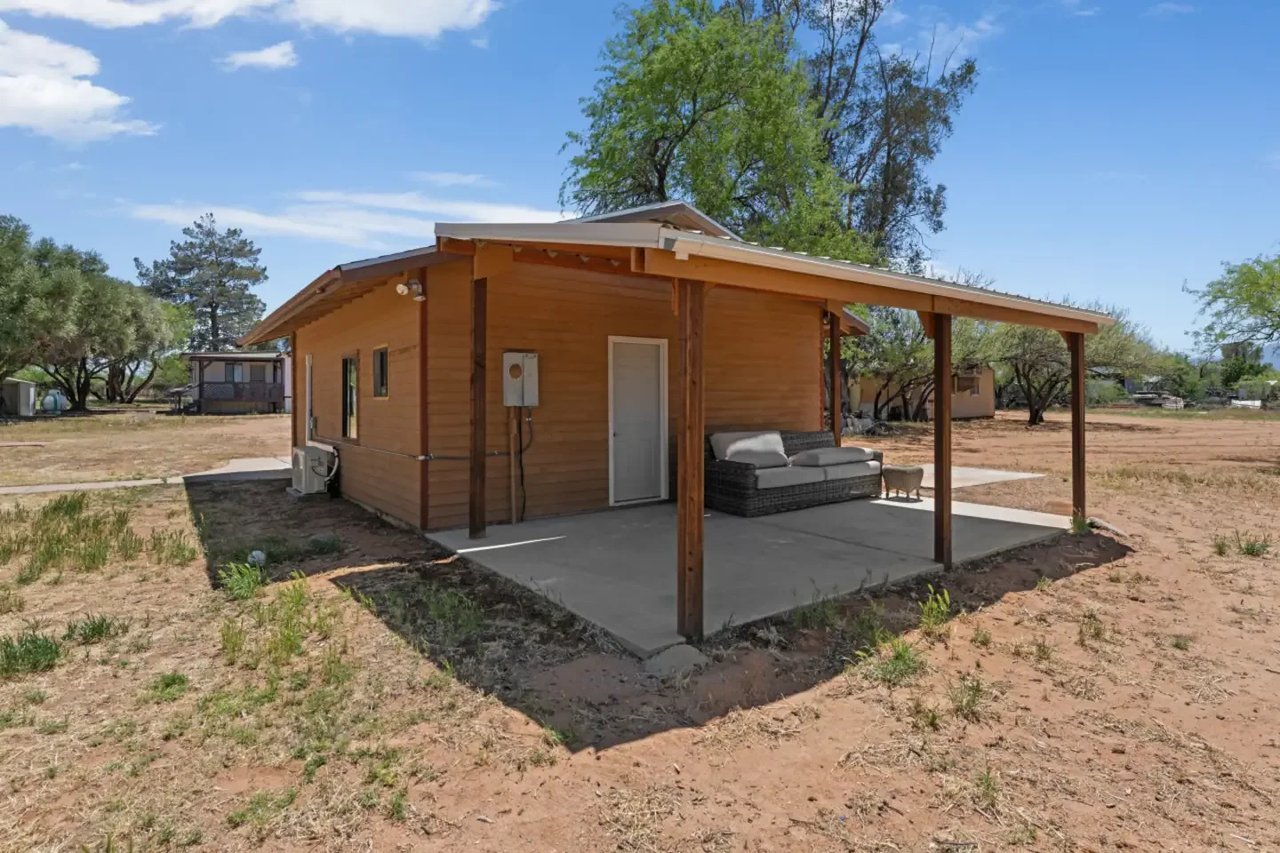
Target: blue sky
1113	150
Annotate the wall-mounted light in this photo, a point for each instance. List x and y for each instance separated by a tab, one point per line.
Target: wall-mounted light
412	286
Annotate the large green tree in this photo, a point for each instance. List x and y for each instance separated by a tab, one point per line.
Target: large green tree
1242	306
739	107
704	104
212	273
32	296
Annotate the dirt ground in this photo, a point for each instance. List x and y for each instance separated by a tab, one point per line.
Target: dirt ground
1100	692
136	445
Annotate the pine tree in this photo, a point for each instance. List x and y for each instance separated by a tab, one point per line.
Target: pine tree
213	274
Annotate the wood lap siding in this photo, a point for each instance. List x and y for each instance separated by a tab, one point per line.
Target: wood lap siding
761	363
379	469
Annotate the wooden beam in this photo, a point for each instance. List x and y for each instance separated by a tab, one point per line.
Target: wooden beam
942	440
592	263
477	517
424	441
491	260
835	368
733	273
691	301
1079	507
454	246
926	320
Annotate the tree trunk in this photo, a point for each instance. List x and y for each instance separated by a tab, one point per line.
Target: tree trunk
141	386
214	345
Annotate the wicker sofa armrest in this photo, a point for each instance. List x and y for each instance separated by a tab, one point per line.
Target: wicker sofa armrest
728	471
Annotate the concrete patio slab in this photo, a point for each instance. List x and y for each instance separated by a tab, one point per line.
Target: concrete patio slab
617	568
962	477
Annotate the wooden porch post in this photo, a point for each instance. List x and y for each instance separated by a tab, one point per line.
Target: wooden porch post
690	302
478	407
294	417
942	440
836	375
1075	343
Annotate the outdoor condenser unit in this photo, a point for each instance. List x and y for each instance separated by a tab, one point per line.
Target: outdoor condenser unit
311	466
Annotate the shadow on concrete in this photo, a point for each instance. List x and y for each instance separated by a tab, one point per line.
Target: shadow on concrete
496	636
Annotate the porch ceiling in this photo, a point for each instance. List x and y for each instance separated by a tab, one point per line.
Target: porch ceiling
615	568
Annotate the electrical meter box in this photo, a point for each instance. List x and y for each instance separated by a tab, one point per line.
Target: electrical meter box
520	379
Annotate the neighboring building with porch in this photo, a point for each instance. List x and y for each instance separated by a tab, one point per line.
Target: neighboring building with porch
973	395
522	371
239	383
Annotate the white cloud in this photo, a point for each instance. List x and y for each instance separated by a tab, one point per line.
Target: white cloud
280	55
961	40
453	179
1161	10
1078	9
414	18
481	43
362	220
469	211
44	89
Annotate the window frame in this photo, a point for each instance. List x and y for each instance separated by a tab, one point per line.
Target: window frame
349	389
381	390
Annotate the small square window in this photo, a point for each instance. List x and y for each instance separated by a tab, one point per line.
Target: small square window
380	372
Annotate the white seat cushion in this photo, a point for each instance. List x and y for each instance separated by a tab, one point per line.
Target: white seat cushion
832	456
849	469
760	458
725	444
776	478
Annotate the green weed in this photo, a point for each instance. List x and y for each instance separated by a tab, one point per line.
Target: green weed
262	808
171	548
1079	524
967	697
241	581
924	717
28	652
95	629
819	614
935	613
1181	642
1221	544
986	789
168	687
233	640
980	637
1251	544
895	663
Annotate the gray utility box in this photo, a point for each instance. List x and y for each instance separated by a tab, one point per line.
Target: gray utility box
520	379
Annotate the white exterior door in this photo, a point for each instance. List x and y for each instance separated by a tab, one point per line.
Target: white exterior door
637	420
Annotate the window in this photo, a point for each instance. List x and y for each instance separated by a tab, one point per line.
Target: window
350	396
380	372
970	385
257	373
233	372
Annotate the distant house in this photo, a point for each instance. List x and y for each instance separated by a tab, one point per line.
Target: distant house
973	395
238	383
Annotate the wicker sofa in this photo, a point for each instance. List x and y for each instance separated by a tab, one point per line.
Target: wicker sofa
758	473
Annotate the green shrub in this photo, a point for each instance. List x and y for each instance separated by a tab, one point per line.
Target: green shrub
896	663
935	613
95	629
168	686
241	581
28	652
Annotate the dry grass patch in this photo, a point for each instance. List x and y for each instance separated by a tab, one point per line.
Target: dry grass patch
634	818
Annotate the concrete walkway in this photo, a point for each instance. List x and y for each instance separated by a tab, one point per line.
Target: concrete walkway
962	477
249	468
617	568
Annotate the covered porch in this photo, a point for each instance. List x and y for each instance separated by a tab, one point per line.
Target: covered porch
726	568
613	568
